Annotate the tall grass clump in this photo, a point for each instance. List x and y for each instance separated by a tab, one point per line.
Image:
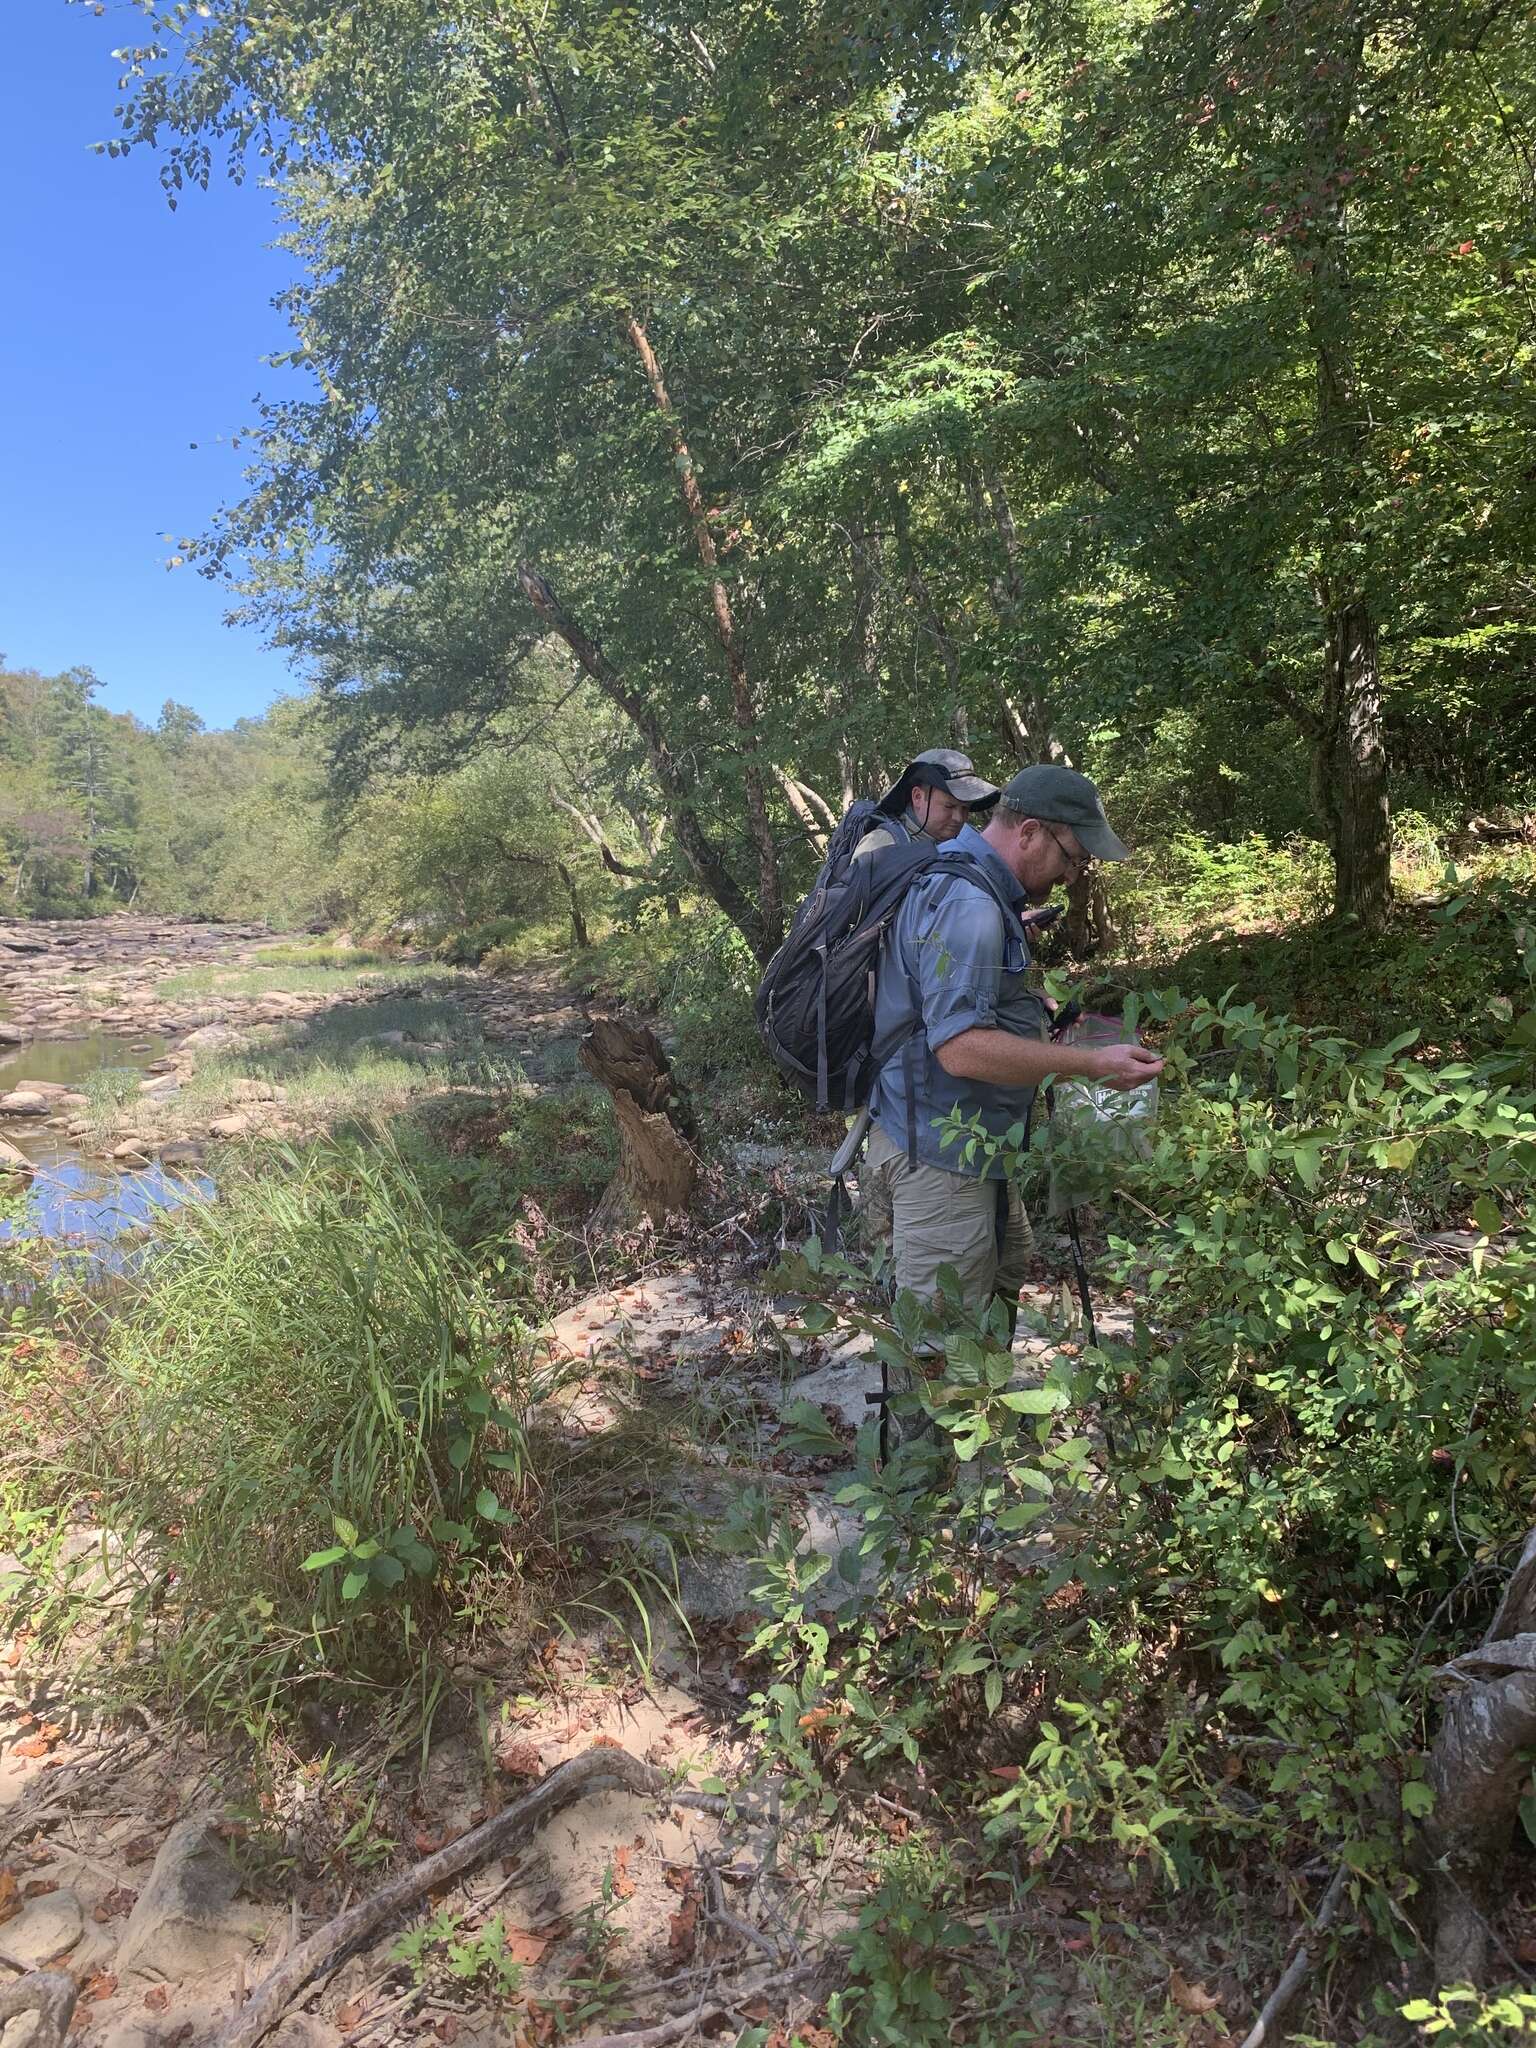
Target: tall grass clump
318	1432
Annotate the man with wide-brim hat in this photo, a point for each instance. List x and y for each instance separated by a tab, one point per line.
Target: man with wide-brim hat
970	1032
932	798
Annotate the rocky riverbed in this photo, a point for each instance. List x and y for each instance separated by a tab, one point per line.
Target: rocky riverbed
132	1046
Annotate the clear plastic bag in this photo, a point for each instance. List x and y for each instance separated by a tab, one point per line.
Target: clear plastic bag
1090	1127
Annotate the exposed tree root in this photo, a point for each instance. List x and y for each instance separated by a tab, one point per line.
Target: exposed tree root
51	1995
600	1769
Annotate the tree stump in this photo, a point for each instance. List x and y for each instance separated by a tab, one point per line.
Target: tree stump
658	1161
1479	1768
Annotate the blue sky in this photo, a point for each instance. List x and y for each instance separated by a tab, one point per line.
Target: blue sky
128	333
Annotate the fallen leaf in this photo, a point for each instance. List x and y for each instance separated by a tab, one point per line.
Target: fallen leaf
39	1887
606	1742
100	1984
347	2016
683	1929
34	1745
447	2028
520	1760
139	1850
158	1997
1009	1772
10	1895
623	1883
1191	1998
525	1948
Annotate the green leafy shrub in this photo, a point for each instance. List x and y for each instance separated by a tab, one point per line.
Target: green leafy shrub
1234	1533
1480	2019
1195	886
1457	970
698	972
469	947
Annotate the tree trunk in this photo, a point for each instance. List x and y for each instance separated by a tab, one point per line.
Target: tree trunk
700	851
1349	758
743	710
1349	769
859	695
591	828
658	1163
795	798
1090	922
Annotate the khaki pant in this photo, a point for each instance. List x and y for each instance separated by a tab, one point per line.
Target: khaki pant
931	1218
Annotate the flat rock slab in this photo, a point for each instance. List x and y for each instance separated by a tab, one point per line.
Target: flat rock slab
842	1381
44	1930
187	1921
669	1312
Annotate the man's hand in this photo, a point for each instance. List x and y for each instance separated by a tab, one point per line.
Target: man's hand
1125	1066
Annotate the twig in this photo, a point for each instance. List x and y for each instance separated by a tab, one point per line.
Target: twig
685	2026
722	1913
408	1997
596	1770
1298	1968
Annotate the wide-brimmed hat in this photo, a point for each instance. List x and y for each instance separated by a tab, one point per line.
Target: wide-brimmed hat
939	768
1063	797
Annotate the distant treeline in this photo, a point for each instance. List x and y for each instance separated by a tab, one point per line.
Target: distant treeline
99	811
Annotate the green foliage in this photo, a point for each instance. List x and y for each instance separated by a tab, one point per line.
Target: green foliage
1455	967
1480	2018
440	1954
898	1956
1261	1503
1166	398
317	1431
698	972
469	948
98	812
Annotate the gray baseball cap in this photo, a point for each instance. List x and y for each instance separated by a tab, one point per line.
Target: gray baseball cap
1061	796
939	768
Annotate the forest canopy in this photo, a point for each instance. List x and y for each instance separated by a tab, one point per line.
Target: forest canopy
1149	386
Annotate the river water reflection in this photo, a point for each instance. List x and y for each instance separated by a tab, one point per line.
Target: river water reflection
72	1197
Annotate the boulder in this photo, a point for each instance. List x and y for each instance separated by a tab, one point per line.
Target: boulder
12	1033
256	1091
235	1126
213	1038
44	1930
180	1154
24	1102
186	1921
132	1152
13	1159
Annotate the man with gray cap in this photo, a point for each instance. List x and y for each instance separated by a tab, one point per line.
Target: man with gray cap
931	798
970	1034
